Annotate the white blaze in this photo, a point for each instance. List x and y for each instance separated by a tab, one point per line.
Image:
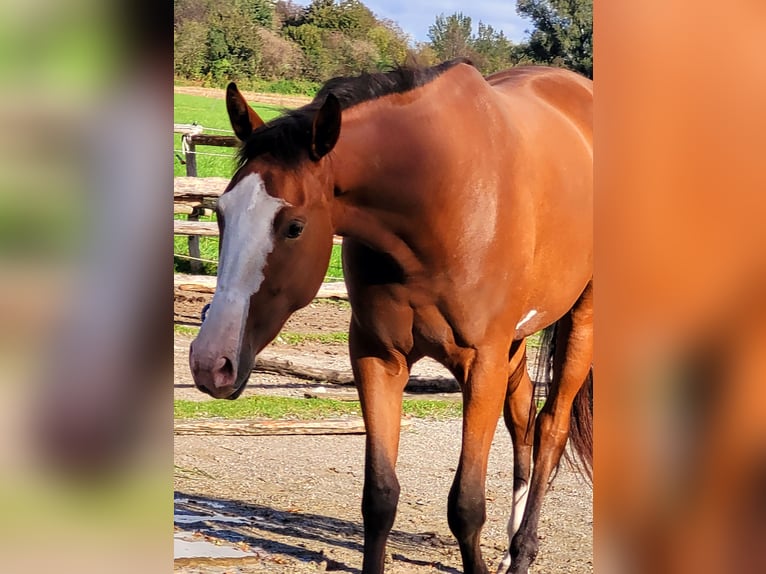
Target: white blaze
248	213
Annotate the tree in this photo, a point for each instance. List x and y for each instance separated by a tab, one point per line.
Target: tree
233	44
350	17
421	56
261	12
288	13
450	36
391	43
492	49
281	59
189	61
309	39
563	33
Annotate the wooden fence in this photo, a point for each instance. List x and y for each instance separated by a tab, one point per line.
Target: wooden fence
198	194
192	136
195	196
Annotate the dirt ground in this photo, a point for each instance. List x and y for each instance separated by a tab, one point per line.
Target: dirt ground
261	97
292	503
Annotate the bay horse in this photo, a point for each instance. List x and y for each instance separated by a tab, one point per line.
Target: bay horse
466	208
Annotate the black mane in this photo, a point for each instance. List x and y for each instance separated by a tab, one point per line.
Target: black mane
288	137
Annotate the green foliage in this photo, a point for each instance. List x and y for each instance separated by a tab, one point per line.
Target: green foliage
255	41
190	61
451	36
260	12
563	34
233	42
390	43
251	41
350	17
310	39
491	48
296	87
488	49
280	58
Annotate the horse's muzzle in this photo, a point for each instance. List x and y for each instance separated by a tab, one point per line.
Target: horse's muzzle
214	375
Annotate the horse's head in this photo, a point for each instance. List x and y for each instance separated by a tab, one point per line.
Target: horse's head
275	239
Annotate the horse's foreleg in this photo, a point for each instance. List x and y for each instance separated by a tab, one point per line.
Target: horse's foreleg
483	393
519	414
380	383
571	365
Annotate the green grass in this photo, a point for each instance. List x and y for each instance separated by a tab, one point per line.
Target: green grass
534	340
289	338
210	113
185	330
285	337
335	269
303	409
208	247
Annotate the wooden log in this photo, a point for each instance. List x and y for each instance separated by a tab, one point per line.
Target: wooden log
198	188
346	378
211	140
194	251
195	228
185	208
190	156
207	283
239	427
187	129
289	368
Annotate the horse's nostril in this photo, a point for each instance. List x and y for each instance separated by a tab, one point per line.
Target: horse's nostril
224	366
223	373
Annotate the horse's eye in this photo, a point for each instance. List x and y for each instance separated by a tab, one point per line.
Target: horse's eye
294	229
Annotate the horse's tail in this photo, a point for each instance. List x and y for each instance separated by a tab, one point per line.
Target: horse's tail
581	419
581	426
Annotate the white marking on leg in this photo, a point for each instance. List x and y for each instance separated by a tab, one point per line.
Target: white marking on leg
514	522
526	318
505	563
248	212
519	504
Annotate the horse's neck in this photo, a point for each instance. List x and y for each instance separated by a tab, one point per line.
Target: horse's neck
379	187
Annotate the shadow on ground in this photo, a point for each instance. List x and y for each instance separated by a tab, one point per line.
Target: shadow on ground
290	534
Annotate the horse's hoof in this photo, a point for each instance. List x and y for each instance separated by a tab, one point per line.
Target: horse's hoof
505	564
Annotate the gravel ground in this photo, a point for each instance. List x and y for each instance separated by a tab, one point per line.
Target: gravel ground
292	503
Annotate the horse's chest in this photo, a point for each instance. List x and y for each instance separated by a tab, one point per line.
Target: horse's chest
437	335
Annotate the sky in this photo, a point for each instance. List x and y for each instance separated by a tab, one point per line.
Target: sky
415	16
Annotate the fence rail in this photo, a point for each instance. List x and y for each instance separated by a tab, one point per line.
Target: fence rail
193	135
200	193
195	196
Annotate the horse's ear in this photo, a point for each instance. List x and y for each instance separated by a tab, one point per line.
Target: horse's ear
326	128
243	118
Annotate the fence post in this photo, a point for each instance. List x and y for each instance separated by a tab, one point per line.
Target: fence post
191	171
